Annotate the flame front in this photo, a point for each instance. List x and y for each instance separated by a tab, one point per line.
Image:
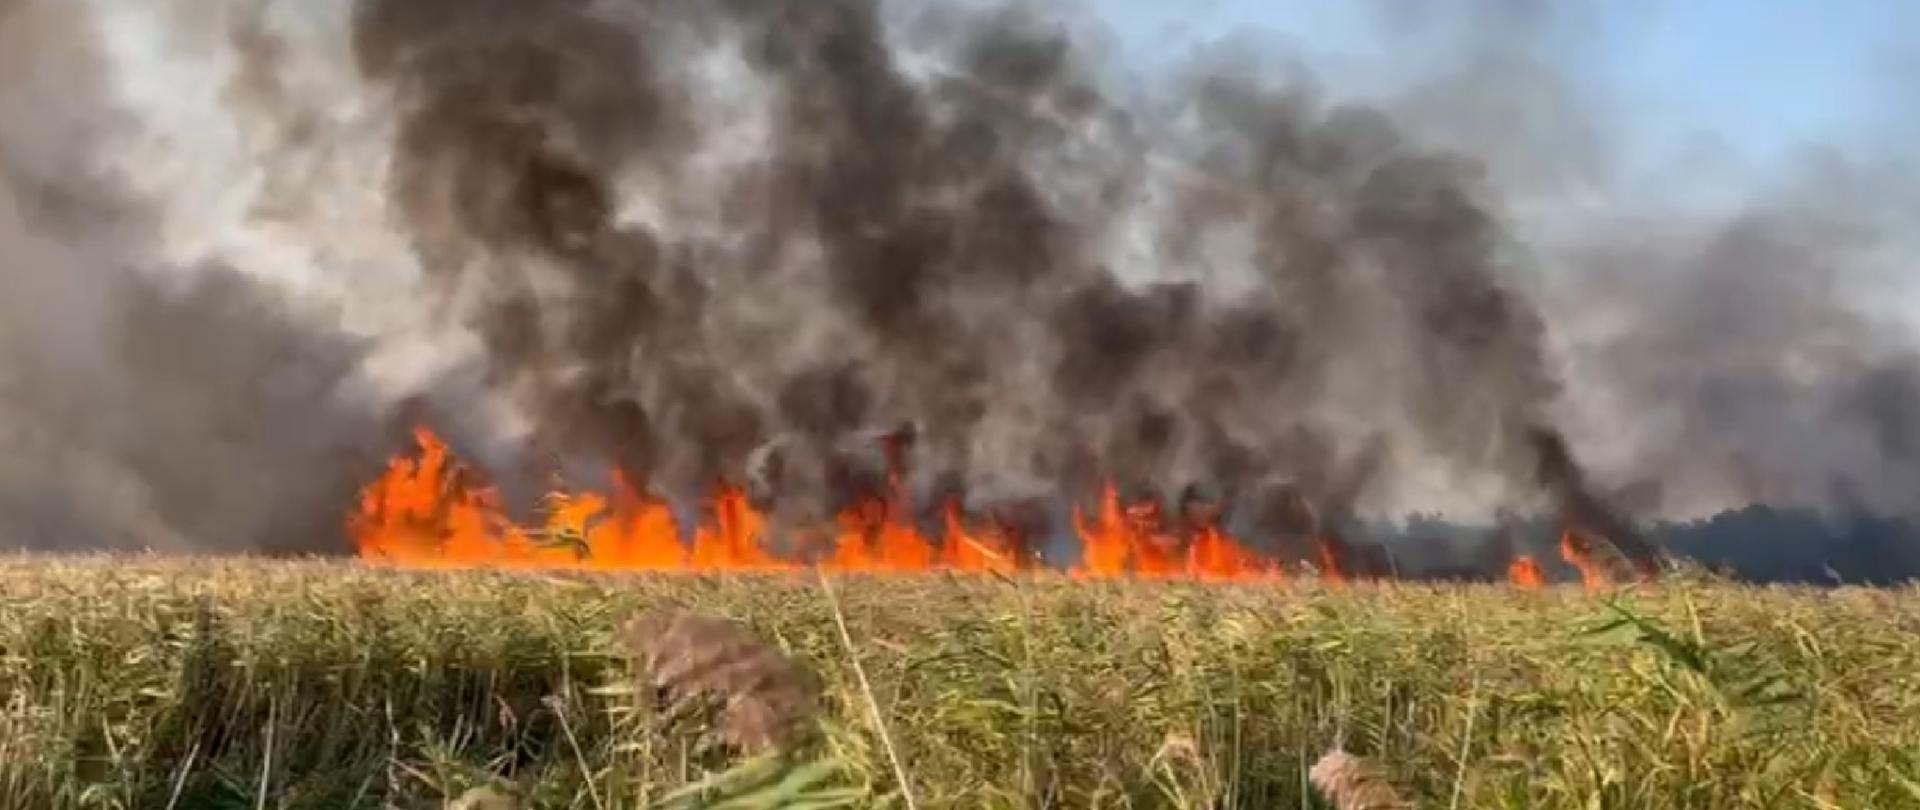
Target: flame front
1135	539
427	511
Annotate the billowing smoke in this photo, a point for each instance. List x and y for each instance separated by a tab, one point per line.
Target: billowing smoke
145	406
686	231
1755	358
771	241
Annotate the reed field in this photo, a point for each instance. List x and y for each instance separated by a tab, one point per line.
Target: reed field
173	683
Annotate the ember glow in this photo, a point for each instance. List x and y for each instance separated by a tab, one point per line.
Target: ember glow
428	511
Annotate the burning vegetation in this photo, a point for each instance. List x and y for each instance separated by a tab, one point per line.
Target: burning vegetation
709	246
430	511
931	230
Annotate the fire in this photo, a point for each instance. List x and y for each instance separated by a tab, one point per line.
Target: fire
1135	539
1578	551
1525	574
428	511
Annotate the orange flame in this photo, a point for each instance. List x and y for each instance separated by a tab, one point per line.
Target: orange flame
1135	540
427	511
1525	574
1578	551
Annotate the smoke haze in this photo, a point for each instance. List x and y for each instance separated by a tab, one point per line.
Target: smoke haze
145	405
242	242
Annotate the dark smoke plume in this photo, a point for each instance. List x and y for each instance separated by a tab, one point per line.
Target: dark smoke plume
801	244
934	243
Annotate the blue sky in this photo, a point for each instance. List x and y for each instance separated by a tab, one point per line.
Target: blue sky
1758	77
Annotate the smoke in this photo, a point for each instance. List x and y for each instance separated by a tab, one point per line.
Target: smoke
1753	371
144	406
1750	344
694	234
696	241
1764	353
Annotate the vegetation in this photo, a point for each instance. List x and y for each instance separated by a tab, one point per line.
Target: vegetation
149	683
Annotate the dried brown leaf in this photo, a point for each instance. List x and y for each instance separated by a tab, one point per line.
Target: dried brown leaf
766	698
1354	783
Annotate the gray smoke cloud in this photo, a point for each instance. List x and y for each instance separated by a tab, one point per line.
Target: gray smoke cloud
1506	81
941	238
1754	349
1758	348
698	240
145	406
1751	358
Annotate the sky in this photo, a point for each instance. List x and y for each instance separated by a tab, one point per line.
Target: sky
1755	79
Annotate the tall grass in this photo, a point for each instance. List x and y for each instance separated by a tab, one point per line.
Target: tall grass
151	683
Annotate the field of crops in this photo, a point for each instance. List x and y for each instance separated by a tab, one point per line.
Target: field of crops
147	683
